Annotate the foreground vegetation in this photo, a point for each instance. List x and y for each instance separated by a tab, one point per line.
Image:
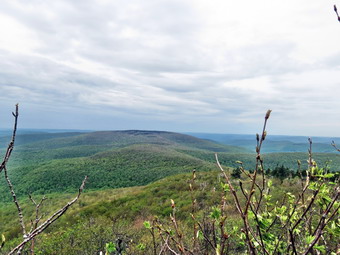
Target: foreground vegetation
101	217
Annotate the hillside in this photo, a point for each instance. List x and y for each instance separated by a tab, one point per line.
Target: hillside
111	159
271	160
102	216
125	138
31	137
106	215
129	166
37	147
114	159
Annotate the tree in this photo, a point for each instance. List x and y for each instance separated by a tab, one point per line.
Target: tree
281	172
36	228
236	173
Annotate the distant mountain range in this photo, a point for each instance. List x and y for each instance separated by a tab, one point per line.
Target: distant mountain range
273	143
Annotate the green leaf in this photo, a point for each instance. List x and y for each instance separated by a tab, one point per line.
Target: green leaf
268	237
270	183
199	235
251	215
218	248
297	231
3	240
329	175
235	229
147	224
290	195
243	236
333	225
313	186
110	247
263	222
216	213
320	248
309	239
225	187
284	217
141	246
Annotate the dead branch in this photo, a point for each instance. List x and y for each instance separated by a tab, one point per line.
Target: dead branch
15	200
336	11
35	222
49	221
35	229
11	144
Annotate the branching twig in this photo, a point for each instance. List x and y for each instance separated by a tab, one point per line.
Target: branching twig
35	229
178	232
35	222
203	232
49	221
11	144
244	212
306	210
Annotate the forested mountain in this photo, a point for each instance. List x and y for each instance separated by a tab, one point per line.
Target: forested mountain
274	143
57	162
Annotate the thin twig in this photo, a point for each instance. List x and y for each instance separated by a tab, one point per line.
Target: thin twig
203	232
49	221
11	144
307	209
318	232
37	219
336	11
178	232
15	200
292	240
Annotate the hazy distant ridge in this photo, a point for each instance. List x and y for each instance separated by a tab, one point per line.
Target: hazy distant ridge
273	143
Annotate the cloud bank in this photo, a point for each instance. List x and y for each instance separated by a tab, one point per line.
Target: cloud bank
189	65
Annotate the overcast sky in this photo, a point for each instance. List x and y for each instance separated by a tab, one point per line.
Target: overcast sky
178	65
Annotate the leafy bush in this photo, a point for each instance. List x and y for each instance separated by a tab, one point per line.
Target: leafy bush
302	222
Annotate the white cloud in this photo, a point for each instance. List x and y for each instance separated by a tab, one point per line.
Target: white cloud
15	37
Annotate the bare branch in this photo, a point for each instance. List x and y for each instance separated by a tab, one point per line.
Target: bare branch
335	146
336	11
49	221
35	222
11	144
15	200
233	191
306	210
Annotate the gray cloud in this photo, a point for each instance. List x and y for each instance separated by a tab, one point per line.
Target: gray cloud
185	64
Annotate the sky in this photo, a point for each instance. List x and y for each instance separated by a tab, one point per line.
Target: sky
211	66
